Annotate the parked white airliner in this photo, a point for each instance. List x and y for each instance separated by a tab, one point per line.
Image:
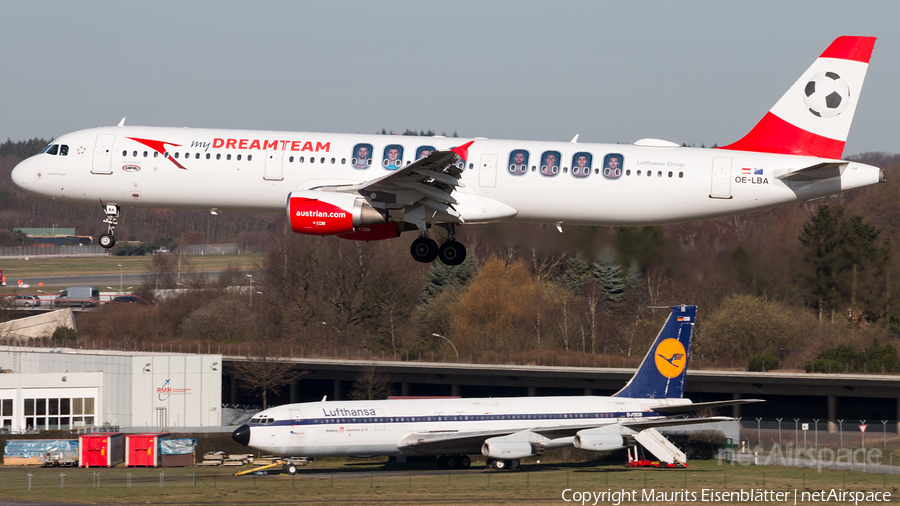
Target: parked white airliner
503	429
372	187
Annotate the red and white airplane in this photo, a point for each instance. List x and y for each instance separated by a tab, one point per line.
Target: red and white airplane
373	187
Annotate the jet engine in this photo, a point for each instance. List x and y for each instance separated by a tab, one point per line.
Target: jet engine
595	441
315	212
505	450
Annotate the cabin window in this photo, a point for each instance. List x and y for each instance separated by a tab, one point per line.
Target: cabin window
145	154
550	163
628	172
155	154
581	164
393	157
176	154
681	174
239	157
301	159
218	156
612	166
343	161
518	162
312	159
134	154
124	153
670	173
291	159
332	161
207	156
362	156
423	151
197	156
228	156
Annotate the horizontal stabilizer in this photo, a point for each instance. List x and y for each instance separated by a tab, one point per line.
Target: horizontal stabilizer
817	172
689	408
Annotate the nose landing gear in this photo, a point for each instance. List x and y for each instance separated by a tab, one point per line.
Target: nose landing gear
108	239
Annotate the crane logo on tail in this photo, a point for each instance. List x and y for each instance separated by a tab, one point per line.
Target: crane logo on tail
671	358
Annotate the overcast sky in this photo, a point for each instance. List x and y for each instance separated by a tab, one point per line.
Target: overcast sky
609	71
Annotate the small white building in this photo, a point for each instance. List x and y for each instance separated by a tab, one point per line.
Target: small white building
65	388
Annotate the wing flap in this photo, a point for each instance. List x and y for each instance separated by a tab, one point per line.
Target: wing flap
817	172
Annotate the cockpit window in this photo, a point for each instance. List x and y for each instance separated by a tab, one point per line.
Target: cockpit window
52	149
63	150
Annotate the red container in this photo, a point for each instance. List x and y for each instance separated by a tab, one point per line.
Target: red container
142	450
101	449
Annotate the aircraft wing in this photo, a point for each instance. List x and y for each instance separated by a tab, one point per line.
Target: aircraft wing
429	181
471	441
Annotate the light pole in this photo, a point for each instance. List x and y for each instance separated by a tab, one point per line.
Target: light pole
251	289
120	280
435	334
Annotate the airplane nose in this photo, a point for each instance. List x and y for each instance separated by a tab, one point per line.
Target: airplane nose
242	435
18	174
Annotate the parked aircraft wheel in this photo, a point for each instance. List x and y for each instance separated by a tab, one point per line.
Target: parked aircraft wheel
465	462
424	250
107	240
499	464
452	253
513	464
442	461
289	469
452	462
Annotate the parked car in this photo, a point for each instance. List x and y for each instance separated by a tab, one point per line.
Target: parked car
78	296
130	299
27	301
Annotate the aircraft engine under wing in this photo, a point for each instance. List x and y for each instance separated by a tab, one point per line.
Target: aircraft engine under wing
426	190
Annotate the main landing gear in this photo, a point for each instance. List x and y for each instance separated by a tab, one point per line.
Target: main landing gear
425	249
108	240
454	462
500	465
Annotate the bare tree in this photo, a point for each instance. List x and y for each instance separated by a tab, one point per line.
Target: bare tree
372	384
265	374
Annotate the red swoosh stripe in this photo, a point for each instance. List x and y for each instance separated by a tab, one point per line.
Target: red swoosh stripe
159	147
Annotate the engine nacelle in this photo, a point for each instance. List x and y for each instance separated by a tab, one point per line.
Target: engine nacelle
505	450
594	441
326	213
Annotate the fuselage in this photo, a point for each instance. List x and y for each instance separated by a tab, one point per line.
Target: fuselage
360	428
550	182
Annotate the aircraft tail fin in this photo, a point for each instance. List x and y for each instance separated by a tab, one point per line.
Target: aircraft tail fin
813	118
662	372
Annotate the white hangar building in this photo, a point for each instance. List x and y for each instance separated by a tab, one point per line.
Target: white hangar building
64	388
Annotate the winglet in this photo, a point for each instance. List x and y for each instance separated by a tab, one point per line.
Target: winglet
463	151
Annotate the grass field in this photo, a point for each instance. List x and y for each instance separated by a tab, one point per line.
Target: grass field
365	483
36	266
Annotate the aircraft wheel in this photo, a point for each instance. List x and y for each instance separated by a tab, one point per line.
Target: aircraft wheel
452	253
442	461
499	464
514	464
452	462
424	250
289	468
465	462
107	240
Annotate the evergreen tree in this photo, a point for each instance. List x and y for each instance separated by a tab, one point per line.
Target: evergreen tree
609	274
442	276
575	274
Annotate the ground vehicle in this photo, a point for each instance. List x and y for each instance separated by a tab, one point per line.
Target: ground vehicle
27	301
130	299
78	296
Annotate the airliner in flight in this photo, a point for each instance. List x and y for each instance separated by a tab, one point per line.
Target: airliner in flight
502	429
374	187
